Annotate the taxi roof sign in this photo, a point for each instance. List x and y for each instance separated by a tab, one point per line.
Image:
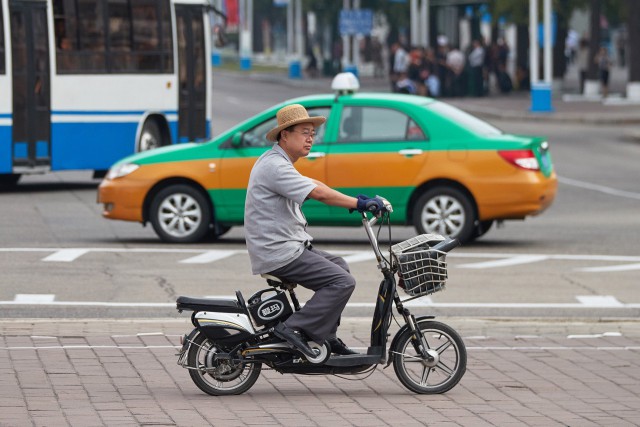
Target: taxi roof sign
345	83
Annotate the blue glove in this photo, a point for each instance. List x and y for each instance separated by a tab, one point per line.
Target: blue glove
369	204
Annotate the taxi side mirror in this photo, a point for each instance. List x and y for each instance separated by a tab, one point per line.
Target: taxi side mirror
236	141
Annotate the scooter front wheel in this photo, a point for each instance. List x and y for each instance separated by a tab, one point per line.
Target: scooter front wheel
441	370
219	376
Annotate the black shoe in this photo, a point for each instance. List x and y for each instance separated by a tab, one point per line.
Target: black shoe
294	338
338	347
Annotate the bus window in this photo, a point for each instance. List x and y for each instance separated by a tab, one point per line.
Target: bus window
137	37
120	36
79	33
151	32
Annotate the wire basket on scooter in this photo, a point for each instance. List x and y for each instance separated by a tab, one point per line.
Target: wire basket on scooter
422	270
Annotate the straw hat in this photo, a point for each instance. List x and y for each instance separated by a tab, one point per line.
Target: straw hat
292	115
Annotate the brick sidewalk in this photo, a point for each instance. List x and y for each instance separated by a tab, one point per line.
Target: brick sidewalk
124	372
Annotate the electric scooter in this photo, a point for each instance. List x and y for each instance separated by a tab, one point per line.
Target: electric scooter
234	338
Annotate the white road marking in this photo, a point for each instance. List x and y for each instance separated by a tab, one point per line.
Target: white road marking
420	302
34	298
500	259
344	253
93	304
588	301
599	301
85	347
358	257
66	255
600	188
605	334
624	267
209	256
555	348
514	260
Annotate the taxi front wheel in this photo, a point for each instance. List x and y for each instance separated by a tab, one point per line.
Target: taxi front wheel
180	214
446	211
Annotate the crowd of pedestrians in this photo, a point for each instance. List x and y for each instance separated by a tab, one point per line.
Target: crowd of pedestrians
447	71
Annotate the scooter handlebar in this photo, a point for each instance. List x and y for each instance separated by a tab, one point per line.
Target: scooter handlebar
447	245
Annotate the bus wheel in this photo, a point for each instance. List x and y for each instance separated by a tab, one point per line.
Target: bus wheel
9	179
150	137
180	214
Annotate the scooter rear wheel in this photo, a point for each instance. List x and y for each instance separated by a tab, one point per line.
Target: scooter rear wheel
442	370
219	377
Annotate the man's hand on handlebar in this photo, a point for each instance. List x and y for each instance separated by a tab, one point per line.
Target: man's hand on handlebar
375	205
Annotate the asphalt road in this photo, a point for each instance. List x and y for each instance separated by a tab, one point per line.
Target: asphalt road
579	259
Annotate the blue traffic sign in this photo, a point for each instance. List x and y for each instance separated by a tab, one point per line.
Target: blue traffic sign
358	21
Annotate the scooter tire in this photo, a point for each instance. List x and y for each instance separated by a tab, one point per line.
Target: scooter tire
219	377
443	372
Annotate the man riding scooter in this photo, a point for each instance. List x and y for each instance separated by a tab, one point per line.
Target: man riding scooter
277	239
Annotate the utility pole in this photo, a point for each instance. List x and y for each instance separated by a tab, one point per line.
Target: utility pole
295	38
541	94
346	46
419	19
246	33
633	53
592	82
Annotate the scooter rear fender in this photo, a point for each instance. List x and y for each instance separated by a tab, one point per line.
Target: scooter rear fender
225	327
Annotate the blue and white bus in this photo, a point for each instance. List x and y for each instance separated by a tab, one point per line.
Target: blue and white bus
84	83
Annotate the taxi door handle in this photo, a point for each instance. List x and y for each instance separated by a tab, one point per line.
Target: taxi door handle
410	152
316	155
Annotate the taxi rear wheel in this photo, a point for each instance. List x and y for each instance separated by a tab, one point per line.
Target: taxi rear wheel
180	214
446	211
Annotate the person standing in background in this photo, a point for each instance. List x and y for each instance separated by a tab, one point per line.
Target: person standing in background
456	63
582	60
604	64
399	64
476	65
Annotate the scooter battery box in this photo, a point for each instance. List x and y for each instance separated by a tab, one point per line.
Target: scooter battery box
271	309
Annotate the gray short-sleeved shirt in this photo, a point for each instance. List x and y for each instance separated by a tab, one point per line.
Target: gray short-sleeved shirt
275	227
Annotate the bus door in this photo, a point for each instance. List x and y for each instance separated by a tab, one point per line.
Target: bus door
192	120
31	129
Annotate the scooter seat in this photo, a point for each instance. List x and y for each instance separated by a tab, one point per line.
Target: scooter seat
276	282
224	305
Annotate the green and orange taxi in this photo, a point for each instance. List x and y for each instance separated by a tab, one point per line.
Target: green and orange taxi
445	171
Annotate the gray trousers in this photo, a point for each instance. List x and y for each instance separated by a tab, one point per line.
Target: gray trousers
328	276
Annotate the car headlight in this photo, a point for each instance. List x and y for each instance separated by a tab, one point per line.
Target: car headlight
121	170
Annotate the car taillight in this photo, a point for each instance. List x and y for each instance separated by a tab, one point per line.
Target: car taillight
524	159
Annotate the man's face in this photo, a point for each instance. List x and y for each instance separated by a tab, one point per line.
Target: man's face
298	141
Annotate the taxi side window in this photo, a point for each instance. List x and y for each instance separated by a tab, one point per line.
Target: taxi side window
257	136
370	124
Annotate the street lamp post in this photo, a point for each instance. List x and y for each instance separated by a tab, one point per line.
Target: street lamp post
540	90
294	38
246	33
